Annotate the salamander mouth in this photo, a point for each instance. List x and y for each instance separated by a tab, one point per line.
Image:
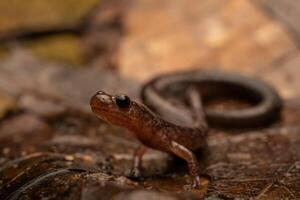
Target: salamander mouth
110	116
100	108
105	112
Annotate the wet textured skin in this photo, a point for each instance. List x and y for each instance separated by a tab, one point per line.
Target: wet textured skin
152	131
179	131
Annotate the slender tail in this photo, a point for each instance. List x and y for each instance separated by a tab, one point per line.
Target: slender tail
195	101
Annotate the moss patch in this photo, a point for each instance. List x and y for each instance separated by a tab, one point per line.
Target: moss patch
39	14
61	48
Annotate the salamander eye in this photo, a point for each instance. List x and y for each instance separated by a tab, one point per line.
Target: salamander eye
122	101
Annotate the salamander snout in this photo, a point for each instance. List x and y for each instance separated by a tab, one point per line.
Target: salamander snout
102	100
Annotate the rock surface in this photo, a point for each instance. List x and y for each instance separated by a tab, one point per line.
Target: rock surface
179	35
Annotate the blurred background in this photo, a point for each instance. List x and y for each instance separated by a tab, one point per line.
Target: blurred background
55	54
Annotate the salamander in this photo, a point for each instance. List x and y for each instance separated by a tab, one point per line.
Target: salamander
163	123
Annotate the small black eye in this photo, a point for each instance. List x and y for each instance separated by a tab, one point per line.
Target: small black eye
122	101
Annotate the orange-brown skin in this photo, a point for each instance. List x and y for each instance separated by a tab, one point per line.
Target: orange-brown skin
178	130
153	131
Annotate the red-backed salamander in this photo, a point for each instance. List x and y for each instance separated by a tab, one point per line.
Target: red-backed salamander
174	128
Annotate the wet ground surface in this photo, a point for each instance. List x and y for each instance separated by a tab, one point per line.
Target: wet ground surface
52	146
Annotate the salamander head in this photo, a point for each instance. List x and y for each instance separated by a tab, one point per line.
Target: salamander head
118	109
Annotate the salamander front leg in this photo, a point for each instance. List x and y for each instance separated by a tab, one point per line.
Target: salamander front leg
137	161
191	159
